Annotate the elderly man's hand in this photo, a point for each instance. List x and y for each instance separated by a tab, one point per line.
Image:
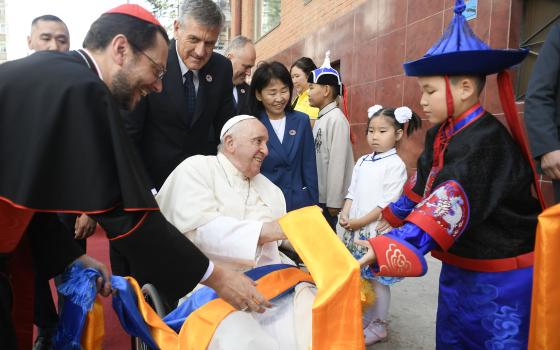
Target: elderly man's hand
550	164
270	232
237	289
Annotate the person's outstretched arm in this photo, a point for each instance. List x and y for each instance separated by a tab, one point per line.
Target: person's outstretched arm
157	253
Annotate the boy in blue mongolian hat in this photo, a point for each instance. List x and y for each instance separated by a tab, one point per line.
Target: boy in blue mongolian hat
333	147
470	202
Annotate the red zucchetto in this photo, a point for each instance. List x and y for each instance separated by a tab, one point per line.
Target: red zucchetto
135	11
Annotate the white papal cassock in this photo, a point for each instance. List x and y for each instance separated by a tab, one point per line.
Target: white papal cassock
222	212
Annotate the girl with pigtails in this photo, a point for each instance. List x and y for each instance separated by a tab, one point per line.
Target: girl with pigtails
377	180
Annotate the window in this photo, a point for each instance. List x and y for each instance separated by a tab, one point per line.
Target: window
225	34
538	18
267	16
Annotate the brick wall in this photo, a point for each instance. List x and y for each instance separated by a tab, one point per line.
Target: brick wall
372	39
298	20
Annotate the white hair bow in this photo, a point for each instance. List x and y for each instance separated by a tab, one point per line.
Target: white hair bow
372	110
403	114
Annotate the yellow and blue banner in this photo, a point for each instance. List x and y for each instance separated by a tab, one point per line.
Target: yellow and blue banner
336	313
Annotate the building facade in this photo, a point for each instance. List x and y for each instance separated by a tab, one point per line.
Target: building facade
370	39
225	34
3	32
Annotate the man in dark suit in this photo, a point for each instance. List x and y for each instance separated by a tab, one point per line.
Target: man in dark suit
241	53
186	118
542	109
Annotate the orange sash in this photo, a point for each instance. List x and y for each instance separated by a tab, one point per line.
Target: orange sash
337	311
545	306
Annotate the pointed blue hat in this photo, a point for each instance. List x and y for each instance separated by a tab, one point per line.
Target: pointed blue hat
325	75
461	52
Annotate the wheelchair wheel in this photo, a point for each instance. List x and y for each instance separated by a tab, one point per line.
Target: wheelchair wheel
153	299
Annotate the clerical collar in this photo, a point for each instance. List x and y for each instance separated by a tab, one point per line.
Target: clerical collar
468	117
83	52
182	65
229	169
327	109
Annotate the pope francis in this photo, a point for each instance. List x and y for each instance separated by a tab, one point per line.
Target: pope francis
229	210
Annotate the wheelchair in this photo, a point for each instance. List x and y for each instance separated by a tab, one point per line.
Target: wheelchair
153	299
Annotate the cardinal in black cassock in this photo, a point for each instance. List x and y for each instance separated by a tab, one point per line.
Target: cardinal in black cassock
63	149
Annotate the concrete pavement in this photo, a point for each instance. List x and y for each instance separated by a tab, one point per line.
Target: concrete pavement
412	312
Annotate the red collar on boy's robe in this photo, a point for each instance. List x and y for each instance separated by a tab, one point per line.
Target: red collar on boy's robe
444	134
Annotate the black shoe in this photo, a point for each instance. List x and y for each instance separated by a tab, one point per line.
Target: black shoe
43	343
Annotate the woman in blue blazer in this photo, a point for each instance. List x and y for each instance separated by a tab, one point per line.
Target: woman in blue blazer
290	163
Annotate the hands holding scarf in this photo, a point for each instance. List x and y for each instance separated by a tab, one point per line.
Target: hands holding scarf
237	289
103	283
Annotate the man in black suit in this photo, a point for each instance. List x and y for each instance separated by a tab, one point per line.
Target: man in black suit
241	53
542	109
186	118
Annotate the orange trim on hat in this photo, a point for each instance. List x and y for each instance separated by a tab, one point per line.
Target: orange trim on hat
135	11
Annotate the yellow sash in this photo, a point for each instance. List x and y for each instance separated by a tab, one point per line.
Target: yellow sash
337	310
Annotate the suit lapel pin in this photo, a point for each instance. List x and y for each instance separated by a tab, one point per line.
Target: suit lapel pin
292	132
242	91
209	78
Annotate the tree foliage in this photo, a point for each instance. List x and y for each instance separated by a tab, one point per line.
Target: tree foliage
162	8
166	11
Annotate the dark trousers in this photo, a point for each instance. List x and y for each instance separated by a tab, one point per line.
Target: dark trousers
121	267
7	332
332	220
46	317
